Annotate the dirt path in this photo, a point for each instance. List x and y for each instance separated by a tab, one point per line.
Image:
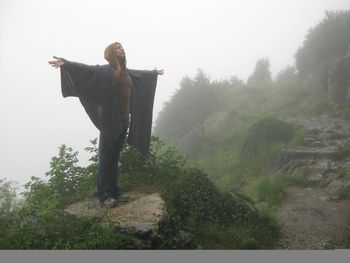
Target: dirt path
311	221
311	217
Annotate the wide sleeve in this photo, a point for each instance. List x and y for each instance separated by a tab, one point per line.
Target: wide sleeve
84	81
143	92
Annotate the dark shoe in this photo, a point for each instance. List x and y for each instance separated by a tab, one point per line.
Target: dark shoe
121	197
109	202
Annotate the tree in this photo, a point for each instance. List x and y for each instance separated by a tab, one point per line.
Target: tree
324	43
8	197
188	107
261	74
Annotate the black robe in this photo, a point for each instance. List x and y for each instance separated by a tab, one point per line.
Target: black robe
93	85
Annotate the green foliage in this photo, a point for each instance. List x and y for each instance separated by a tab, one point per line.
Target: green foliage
244	131
40	221
8	197
156	170
193	195
191	199
38	196
185	189
65	174
185	110
324	43
236	237
263	141
265	134
217	220
57	230
87	183
215	142
271	189
343	193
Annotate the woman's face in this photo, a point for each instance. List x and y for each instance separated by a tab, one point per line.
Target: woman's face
120	51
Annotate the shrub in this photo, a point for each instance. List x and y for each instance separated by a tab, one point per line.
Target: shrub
266	132
192	200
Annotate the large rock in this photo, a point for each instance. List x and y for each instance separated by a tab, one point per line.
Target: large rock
141	215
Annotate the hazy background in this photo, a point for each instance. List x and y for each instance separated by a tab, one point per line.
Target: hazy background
224	38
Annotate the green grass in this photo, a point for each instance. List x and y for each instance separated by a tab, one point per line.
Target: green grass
343	194
272	189
236	237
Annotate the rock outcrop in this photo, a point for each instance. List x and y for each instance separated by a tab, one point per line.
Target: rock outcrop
140	216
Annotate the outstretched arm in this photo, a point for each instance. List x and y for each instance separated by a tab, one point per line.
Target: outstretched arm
81	80
58	62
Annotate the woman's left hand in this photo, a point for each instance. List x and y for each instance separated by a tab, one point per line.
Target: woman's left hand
159	72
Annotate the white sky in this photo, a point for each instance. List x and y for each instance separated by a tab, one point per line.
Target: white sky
222	37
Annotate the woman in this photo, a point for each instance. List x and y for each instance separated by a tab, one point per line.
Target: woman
109	94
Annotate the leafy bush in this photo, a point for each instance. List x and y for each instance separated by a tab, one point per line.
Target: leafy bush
266	131
263	142
157	170
41	223
57	230
65	174
191	200
193	195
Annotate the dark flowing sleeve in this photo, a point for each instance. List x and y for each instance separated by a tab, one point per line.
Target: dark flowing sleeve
93	86
87	82
143	92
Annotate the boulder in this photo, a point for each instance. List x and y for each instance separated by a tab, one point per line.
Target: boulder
140	216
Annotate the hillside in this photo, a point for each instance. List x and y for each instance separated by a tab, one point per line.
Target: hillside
234	164
283	142
293	162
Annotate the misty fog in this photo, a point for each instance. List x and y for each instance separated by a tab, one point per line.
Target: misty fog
223	38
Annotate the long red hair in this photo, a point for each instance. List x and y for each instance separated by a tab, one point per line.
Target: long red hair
119	63
122	81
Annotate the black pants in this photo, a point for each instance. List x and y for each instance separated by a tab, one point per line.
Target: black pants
107	172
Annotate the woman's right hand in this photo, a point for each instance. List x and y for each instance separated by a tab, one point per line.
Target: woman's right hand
58	62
